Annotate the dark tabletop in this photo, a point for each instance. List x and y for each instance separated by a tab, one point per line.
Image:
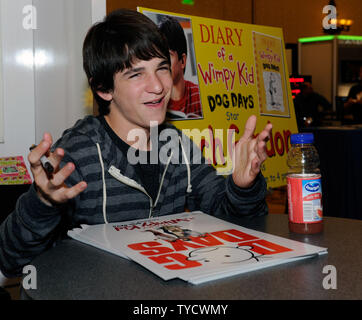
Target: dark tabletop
73	270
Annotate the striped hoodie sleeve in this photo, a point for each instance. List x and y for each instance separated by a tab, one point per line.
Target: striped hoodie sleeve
26	232
30	229
216	195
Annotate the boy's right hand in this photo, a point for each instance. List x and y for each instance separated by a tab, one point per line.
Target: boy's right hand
51	188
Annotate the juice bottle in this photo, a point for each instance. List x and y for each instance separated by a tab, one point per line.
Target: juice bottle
304	186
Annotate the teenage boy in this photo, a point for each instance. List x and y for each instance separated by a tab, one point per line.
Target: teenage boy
185	96
127	62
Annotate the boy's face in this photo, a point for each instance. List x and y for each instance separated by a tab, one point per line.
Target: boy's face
141	93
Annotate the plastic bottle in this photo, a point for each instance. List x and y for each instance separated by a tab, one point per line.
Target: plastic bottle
304	186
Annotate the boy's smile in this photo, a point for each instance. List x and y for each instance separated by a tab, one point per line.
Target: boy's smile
155	103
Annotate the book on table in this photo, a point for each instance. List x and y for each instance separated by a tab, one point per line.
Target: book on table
193	246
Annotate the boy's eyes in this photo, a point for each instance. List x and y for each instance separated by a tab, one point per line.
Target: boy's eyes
135	75
139	74
165	67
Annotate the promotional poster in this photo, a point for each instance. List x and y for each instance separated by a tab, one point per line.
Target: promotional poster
234	70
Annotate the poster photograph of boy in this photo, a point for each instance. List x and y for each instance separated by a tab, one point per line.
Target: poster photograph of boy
185	102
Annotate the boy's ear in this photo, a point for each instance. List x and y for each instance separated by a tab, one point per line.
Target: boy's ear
184	59
105	95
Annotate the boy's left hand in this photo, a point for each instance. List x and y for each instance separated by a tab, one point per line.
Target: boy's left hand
250	153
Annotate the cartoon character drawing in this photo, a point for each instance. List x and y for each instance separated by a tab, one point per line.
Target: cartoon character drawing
272	88
222	255
174	232
273	91
161	235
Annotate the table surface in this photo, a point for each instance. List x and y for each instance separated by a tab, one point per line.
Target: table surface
73	270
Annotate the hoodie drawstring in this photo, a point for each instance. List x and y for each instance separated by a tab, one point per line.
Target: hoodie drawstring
104	184
189	186
188	190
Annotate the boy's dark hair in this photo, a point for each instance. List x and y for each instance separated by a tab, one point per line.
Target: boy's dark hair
174	34
115	44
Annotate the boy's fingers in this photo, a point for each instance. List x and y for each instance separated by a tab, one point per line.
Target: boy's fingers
261	152
58	179
52	188
48	137
56	157
63	194
255	166
265	134
262	139
249	128
40	150
72	192
35	154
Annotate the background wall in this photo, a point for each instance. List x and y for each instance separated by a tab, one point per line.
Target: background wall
44	85
297	18
17	80
60	83
237	10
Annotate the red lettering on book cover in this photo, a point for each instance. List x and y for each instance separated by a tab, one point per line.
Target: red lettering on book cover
265	247
180	245
206	240
173	260
180	259
156	248
195	242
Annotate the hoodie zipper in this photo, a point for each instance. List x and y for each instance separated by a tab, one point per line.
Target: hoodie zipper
115	173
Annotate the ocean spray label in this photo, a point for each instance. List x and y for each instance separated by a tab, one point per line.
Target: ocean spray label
305	199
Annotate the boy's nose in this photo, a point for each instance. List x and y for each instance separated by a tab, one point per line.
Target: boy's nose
154	84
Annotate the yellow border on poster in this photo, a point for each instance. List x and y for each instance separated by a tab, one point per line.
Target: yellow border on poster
241	70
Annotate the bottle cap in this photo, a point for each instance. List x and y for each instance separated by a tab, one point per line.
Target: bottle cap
302	138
